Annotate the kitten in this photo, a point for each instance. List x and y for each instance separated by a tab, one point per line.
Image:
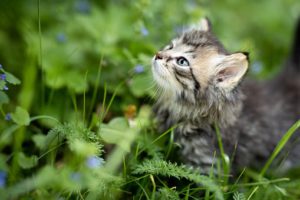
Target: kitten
201	84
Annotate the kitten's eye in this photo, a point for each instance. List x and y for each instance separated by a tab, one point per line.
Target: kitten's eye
182	61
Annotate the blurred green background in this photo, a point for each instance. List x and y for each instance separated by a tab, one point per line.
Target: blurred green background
74	56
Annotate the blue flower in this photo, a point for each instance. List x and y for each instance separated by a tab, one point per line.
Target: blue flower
94	162
3	176
5	87
180	29
61	37
3	77
144	31
1	67
83	6
8	117
138	69
75	176
257	67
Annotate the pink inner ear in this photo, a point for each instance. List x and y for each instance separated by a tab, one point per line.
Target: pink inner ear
227	73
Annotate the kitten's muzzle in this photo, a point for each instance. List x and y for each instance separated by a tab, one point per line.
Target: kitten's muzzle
158	56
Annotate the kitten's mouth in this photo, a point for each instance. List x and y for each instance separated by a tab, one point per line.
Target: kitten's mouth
155	69
158	68
160	73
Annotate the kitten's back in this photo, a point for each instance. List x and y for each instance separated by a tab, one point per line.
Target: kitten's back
269	110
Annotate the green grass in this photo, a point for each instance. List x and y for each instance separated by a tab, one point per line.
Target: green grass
78	122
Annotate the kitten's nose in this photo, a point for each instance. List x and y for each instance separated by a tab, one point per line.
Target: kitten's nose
158	56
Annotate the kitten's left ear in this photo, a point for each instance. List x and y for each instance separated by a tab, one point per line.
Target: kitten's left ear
231	70
204	24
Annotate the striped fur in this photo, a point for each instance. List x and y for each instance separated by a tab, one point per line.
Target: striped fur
208	91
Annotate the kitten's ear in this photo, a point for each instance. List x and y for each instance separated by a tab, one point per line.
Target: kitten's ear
231	70
204	24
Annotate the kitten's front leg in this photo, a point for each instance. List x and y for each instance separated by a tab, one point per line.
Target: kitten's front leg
197	146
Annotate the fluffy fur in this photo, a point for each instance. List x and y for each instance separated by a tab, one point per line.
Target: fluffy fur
201	84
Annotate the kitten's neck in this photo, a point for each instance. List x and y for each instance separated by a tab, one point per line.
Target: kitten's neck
216	107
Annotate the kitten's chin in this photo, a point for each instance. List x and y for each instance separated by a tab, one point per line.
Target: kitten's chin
160	75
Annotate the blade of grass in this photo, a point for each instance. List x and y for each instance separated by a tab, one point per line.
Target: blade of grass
161	182
96	87
112	99
83	113
252	193
224	157
266	182
237	180
50	150
103	104
154	187
124	167
144	191
171	143
280	146
73	98
187	194
162	135
41	54
136	179
211	175
104	110
43	117
137	151
158	138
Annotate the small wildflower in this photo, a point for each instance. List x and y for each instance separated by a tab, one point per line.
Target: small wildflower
3	77
5	88
61	37
94	162
130	111
75	176
1	67
144	31
257	67
139	69
3	176
8	117
180	29
83	6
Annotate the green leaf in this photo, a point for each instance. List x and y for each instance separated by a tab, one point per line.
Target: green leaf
12	79
3	98
119	123
21	116
143	117
83	148
39	141
27	162
118	132
168	193
238	196
164	168
281	144
141	84
3	162
2	84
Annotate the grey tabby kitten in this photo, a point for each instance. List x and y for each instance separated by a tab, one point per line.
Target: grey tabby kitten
201	84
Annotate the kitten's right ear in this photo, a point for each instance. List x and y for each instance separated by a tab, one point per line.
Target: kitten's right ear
204	24
231	70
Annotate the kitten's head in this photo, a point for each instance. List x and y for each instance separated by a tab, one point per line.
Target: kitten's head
196	65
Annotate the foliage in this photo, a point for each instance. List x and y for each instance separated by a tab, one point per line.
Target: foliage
161	167
76	94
